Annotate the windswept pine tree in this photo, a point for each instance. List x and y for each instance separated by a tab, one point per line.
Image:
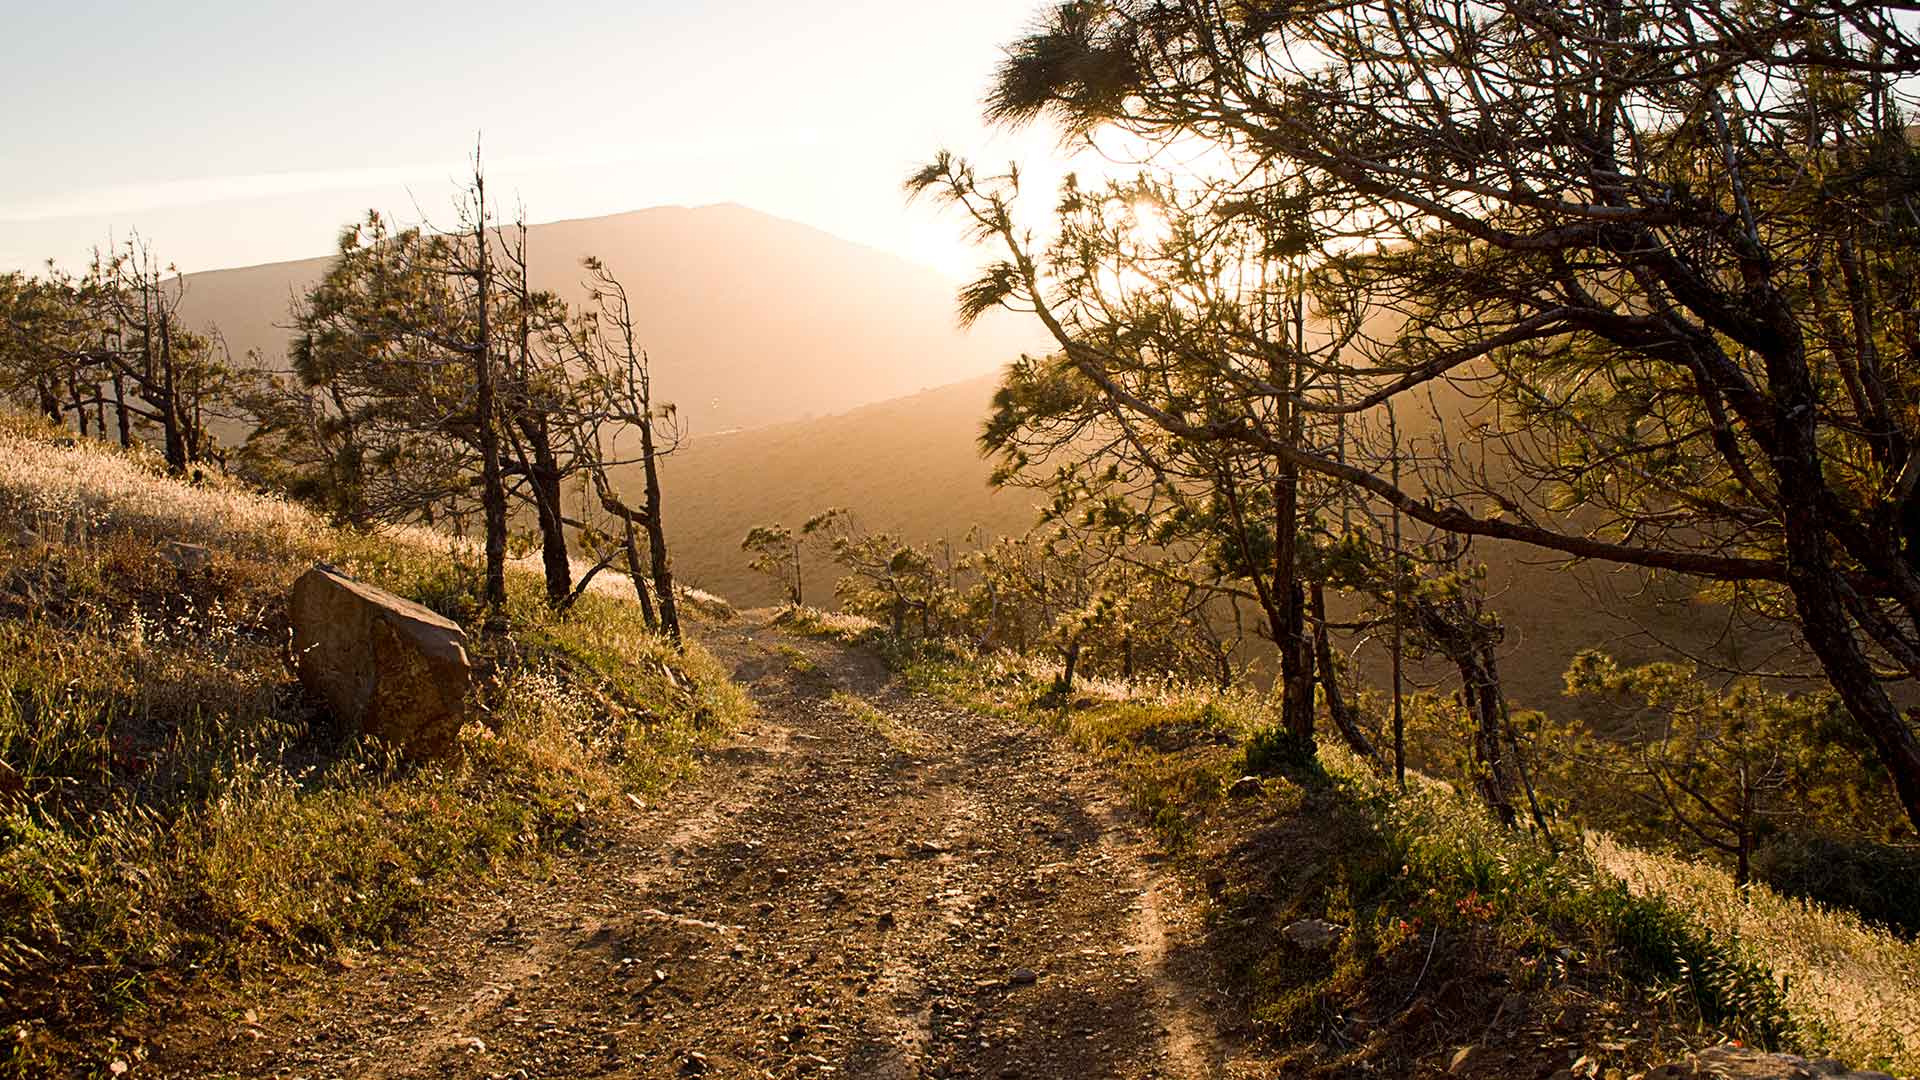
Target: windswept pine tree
428	377
109	354
1670	246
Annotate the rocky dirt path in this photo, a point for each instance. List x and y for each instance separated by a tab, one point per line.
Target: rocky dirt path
866	883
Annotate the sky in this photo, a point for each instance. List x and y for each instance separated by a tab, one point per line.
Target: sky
234	132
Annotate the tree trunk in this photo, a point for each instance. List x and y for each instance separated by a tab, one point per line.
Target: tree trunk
50	403
1337	710
1816	585
544	476
797	592
493	488
1828	633
638	577
79	407
657	535
1065	685
1743	856
1481	693
120	412
1519	757
493	505
1290	635
172	436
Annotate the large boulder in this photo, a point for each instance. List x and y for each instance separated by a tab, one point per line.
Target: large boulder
386	665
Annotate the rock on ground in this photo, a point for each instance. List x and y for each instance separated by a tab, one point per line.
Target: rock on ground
386	665
186	558
1743	1063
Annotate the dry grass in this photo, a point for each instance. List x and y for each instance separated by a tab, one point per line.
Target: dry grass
1851	988
1676	936
838	626
181	809
899	736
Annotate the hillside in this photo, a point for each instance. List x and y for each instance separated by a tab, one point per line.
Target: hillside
912	466
200	868
750	319
757	326
909	465
176	809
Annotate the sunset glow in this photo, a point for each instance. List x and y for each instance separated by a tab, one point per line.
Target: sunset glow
248	150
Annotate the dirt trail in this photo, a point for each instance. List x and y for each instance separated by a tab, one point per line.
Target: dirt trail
904	891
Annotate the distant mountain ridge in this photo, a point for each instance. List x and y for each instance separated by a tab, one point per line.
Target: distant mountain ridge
750	319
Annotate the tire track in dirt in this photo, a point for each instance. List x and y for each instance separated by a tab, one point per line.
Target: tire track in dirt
959	900
451	1019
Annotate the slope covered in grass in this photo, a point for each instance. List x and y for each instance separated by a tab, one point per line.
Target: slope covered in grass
1454	931
173	806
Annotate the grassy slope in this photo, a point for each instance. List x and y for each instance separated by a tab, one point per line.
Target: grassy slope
172	806
1617	955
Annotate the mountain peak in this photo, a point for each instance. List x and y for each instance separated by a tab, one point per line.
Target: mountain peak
751	319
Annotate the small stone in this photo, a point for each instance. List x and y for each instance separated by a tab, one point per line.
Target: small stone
1314	935
1023	977
186	558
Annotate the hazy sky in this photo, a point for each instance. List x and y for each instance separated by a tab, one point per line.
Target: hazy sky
233	132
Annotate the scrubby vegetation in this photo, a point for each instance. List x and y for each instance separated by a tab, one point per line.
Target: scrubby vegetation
1605	944
172	805
1630	285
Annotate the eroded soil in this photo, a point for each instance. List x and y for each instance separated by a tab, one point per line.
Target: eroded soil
903	890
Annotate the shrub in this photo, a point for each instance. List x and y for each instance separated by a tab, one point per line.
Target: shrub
1275	750
1879	881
